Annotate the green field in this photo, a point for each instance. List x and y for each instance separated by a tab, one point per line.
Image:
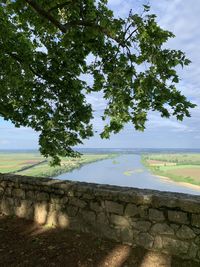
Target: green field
26	163
178	167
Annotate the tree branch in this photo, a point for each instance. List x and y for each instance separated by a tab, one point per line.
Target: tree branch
20	61
64	28
60	5
46	15
131	34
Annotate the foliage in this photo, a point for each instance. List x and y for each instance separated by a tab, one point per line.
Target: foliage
45	47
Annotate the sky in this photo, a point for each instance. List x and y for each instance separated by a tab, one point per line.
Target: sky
182	18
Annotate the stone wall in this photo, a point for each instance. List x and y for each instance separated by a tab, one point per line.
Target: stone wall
159	221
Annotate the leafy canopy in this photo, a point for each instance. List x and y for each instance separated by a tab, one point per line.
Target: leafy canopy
44	48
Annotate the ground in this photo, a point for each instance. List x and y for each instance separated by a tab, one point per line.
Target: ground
24	243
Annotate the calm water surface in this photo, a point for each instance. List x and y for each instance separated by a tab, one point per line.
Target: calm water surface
124	170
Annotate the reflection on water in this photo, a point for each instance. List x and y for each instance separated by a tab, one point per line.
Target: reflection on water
125	170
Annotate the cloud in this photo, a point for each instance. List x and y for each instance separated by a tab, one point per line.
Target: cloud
180	17
157	122
122	8
17	138
97	101
4	142
11	129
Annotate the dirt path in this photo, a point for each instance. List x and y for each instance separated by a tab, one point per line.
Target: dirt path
24	243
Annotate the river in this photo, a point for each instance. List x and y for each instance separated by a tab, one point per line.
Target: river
124	170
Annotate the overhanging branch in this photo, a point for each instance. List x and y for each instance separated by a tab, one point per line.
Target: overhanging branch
20	61
46	15
60	5
65	28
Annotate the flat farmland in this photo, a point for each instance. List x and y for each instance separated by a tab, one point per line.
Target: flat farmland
33	164
178	167
13	162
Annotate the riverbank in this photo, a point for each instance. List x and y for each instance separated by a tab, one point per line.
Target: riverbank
170	181
67	165
182	169
33	164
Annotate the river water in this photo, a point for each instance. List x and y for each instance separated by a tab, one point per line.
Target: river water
124	170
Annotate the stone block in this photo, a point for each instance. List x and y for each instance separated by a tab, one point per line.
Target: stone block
95	206
25	210
4	184
185	232
88	196
164	201
17	202
178	217
143	211
126	235
102	218
77	202
145	240
190	205
8	192
162	228
114	207
196	220
64	200
131	210
156	215
171	245
70	194
110	233
72	211
1	190
30	195
18	193
88	216
192	253
41	196
141	225
196	230
197	241
119	220
55	199
174	226
7	206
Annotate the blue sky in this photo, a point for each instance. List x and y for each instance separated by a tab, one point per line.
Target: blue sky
182	18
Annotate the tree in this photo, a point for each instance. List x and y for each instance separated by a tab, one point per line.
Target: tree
44	49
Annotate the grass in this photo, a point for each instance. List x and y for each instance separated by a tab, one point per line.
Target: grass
178	158
12	162
18	162
186	167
